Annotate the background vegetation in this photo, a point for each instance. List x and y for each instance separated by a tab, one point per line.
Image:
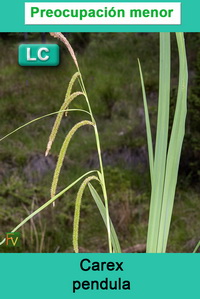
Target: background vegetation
108	62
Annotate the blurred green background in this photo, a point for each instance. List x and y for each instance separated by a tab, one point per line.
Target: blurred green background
108	63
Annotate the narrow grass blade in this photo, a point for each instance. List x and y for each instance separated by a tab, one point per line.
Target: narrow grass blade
161	143
175	146
77	210
49	202
39	118
102	210
197	247
77	110
147	122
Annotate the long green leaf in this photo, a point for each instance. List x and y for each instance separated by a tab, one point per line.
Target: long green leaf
39	118
46	204
161	143
102	210
147	122
175	146
196	247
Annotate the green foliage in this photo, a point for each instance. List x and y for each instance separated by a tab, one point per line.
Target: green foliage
164	164
68	98
110	71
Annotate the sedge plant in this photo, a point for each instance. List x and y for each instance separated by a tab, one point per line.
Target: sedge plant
97	175
164	161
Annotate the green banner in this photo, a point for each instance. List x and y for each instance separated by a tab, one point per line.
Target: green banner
138	276
104	18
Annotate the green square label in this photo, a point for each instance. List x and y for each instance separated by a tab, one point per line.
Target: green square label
38	55
13	239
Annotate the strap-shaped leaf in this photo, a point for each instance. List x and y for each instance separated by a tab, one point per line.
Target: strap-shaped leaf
102	210
46	204
147	122
175	146
161	143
